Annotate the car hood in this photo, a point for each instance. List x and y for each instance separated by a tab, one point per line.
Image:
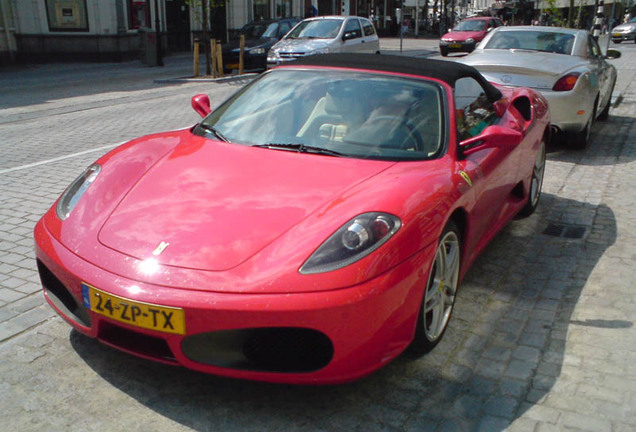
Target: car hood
214	205
522	68
461	36
301	45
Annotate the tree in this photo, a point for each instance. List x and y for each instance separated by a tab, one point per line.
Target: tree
203	11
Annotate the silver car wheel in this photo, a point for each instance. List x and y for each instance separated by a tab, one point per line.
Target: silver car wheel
537	176
442	287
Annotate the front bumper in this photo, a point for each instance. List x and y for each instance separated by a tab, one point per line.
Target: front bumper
631	36
273	62
457	46
352	331
250	62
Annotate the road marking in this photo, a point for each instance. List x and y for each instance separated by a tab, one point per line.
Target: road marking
57	159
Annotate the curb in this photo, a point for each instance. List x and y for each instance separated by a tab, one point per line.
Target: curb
220	80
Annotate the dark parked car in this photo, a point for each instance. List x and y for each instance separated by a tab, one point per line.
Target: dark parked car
260	36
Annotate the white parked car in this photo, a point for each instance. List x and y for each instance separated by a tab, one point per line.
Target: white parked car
566	65
327	34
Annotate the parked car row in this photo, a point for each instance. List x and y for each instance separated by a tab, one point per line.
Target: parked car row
272	42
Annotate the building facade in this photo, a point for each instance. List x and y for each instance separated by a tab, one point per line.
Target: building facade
115	30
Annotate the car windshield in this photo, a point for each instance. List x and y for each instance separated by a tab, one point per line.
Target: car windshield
344	113
260	30
552	42
316	29
470	25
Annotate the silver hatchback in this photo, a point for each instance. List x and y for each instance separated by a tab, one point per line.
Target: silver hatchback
322	35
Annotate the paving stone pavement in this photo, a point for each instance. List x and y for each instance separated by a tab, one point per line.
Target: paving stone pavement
542	338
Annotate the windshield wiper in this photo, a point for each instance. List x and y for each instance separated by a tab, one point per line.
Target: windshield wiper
216	133
300	148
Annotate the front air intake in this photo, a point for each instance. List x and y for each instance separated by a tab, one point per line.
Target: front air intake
61	297
272	349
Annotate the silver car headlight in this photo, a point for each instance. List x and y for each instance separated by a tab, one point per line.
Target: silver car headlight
470	40
273	56
256	51
76	190
352	242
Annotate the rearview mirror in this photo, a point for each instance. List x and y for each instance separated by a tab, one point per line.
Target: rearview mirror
201	104
491	137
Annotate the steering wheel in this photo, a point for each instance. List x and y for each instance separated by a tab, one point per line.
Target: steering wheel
412	140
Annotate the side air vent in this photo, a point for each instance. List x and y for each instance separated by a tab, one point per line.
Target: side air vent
523	106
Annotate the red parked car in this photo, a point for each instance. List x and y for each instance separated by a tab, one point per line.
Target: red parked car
465	36
309	230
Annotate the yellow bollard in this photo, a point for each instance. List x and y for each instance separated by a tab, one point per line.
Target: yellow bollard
241	52
219	60
213	54
196	57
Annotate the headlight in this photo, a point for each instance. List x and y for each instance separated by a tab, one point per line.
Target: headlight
352	242
75	190
318	51
272	55
470	40
256	51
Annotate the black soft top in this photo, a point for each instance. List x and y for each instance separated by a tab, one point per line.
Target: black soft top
447	71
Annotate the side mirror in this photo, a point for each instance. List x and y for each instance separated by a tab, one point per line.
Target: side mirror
348	35
201	104
613	54
491	137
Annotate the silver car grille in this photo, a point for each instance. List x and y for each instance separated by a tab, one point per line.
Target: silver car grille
290	55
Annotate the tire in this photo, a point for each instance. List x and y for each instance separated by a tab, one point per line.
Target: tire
439	293
605	113
443	51
617	41
579	140
536	183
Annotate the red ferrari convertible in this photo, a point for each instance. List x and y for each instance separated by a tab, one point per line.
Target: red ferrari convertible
309	230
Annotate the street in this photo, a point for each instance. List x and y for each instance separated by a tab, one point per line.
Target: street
542	337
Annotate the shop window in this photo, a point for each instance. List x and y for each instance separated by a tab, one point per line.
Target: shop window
67	15
139	13
261	10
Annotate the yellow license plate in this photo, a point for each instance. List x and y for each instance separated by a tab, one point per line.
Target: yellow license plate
617	35
145	315
232	65
455	45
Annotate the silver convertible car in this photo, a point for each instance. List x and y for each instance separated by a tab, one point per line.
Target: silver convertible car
566	65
